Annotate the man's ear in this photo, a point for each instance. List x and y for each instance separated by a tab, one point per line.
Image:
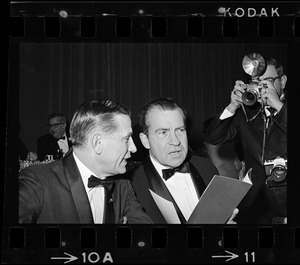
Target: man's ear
97	143
283	81
144	140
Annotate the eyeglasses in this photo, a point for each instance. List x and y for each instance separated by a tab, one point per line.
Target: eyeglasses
54	125
271	79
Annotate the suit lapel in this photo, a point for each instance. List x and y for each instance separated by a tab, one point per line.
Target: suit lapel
158	186
77	189
272	126
198	181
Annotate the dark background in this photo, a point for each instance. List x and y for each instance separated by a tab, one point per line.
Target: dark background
58	77
44	77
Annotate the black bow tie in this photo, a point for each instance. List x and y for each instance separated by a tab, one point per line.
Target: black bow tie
108	184
61	138
94	181
184	168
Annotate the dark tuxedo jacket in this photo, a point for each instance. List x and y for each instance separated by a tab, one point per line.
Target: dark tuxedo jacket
54	193
48	145
145	177
261	203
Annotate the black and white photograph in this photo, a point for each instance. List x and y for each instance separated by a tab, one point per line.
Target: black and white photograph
206	79
150	133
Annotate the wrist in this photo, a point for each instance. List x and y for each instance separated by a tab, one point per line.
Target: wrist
232	108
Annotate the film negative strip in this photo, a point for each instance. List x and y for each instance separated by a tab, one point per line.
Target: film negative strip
64	53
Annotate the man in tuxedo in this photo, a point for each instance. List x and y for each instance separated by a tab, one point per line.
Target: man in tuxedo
163	125
56	142
263	132
82	187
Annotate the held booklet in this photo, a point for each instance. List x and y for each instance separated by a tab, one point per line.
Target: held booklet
217	203
220	198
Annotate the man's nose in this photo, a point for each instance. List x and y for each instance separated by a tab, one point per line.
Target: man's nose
132	148
174	140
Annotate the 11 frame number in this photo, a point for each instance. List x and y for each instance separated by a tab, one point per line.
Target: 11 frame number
252	255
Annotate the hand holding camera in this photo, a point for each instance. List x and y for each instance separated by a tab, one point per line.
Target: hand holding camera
247	94
236	96
260	89
263	92
269	95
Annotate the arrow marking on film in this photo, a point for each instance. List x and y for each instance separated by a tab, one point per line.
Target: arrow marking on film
68	259
231	256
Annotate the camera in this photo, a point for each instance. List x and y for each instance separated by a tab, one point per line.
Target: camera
252	94
276	169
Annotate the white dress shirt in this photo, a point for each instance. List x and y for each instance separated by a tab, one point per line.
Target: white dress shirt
95	194
63	144
226	114
182	189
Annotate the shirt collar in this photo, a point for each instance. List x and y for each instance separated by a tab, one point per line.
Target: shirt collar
268	113
85	172
159	167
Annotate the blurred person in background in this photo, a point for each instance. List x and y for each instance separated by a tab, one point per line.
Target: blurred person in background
56	142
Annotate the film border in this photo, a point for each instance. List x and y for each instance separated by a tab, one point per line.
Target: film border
139	248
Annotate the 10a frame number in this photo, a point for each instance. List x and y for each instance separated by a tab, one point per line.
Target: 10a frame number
94	257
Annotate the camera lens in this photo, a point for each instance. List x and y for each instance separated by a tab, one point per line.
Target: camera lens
249	98
279	173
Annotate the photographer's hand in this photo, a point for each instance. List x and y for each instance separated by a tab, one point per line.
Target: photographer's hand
270	96
236	96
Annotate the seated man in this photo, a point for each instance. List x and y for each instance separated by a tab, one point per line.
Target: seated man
56	142
85	186
163	125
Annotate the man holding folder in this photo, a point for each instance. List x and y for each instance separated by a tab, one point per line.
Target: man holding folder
169	182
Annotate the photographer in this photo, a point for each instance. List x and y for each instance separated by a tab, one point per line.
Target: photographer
262	125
